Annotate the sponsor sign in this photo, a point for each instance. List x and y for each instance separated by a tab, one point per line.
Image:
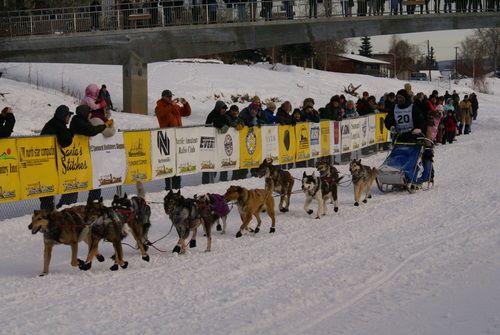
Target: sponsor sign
109	164
163	150
138	153
287	144
250	147
74	166
228	150
10	187
302	136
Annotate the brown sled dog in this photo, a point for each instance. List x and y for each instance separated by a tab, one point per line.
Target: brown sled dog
251	203
65	227
106	224
363	177
136	213
277	180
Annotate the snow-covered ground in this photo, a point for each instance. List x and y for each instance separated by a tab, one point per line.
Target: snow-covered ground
427	263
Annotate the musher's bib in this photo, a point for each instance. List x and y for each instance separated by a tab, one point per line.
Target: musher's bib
404	119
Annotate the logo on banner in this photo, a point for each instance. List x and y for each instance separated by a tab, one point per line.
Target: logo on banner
345	129
304	140
163	143
314	135
228	145
137	149
251	142
7	155
286	140
207	142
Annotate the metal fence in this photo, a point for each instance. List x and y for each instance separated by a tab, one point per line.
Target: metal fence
172	13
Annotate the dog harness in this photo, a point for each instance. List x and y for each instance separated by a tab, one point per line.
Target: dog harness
358	176
218	205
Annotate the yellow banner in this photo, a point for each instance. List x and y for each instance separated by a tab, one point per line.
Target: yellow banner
324	127
10	189
302	142
37	166
138	155
74	166
381	132
250	147
287	147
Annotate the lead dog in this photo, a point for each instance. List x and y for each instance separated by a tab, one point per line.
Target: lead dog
277	180
136	213
363	177
186	216
330	178
65	227
252	203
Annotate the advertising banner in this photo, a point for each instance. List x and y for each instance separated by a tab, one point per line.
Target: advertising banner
381	133
74	166
371	129
270	145
335	137
286	139
10	187
345	129
363	122
37	166
208	149
250	147
228	150
315	139
163	149
138	153
324	129
188	150
109	165
302	141
355	129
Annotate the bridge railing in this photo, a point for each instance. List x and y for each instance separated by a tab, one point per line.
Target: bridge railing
134	16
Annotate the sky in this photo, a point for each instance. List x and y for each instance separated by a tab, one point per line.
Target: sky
444	42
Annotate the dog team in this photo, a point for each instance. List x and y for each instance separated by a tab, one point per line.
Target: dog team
94	221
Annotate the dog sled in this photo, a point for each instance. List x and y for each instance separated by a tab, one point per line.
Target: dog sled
401	168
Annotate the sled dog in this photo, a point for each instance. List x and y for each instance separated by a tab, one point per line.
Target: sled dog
330	179
277	180
363	177
252	203
314	189
217	206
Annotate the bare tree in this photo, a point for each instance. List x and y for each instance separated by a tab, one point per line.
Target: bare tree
489	38
404	53
325	51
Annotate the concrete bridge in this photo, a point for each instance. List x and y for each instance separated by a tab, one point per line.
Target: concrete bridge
135	48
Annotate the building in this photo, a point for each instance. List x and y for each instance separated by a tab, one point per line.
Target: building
350	63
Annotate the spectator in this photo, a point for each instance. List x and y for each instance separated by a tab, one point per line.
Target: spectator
363	106
269	113
232	118
328	7
7	122
297	115
465	116
288	4
267	10
450	127
361	7
169	111
350	111
167	11
347	7
475	105
99	114
313	8
389	103
253	115
308	113
332	110
216	118
284	114
95	10
126	10
104	94
57	126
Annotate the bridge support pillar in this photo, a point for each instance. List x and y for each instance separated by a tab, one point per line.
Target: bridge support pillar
135	86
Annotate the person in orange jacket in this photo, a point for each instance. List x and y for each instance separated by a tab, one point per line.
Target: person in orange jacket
169	111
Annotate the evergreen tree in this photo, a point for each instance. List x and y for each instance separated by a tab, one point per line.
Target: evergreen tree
366	47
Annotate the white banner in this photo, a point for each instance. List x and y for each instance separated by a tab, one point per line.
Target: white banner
335	137
163	149
364	131
314	139
345	129
355	125
372	120
188	150
208	149
228	150
270	145
109	164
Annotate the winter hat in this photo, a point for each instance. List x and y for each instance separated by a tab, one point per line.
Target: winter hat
449	101
308	102
166	93
83	110
220	105
61	112
234	108
256	99
350	102
271	105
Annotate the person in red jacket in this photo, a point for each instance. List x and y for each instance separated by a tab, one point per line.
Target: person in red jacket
450	127
169	111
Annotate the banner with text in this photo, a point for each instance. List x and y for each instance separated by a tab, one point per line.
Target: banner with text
324	129
188	150
381	133
208	149
163	149
356	133
109	165
315	139
287	144
138	153
371	130
37	162
270	144
335	137
228	149
345	130
302	142
10	187
250	147
74	166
